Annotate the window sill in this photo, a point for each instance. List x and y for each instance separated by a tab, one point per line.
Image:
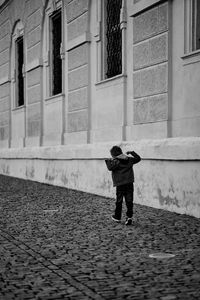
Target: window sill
19	108
113	80
55	98
191	57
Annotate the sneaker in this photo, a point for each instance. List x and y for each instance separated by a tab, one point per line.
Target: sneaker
115	219
128	221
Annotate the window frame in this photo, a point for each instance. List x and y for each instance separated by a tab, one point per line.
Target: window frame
189	46
52	8
19	81
104	53
18	33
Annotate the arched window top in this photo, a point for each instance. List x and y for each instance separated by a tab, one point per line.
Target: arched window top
17	65
52	6
18	30
53	48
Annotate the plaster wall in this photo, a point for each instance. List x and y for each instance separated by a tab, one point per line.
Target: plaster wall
185	106
107	116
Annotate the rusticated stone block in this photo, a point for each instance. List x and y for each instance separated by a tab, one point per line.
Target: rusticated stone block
78	78
163	17
32	6
141	111
141	55
4	57
33	77
33	53
5	29
78	56
78	99
145	25
34	94
158	47
158	108
78	27
4	15
4	90
4	43
4	70
150	23
136	84
4	104
78	121
33	37
154	80
76	8
34	20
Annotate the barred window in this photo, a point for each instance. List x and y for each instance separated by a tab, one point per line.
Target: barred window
19	71
112	38
195	25
56	60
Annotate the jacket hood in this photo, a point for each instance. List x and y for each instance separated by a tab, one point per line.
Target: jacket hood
122	157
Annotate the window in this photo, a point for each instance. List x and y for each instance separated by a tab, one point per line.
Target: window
19	46
195	25
112	39
55	47
192	26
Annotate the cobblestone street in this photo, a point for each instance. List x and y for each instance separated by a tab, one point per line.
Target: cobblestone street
57	243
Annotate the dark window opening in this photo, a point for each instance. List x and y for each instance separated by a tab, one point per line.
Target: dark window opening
56	59
195	25
19	71
113	38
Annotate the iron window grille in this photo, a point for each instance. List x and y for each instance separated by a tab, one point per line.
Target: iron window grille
19	71
56	57
113	37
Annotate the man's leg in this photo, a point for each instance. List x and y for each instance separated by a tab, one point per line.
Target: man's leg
129	200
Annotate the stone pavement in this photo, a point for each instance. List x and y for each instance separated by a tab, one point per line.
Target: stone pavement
57	243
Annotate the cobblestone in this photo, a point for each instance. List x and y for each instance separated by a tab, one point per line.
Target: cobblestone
57	243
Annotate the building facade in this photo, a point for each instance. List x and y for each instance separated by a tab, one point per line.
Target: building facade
77	76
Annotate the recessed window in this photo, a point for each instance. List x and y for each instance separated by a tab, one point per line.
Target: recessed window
112	39
19	71
195	25
56	61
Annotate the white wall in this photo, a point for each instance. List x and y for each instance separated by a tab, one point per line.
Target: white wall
168	176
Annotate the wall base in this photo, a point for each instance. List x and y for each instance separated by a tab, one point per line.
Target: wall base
168	177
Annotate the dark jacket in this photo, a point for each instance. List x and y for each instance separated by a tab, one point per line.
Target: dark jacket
122	168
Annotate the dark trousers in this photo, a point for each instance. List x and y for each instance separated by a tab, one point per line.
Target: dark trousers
124	191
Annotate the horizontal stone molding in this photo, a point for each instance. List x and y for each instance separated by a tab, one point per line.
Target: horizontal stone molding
83	38
4	80
33	65
175	149
141	5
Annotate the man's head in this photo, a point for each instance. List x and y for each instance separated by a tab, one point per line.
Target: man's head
115	151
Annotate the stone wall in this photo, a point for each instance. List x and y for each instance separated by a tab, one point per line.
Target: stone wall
33	33
150	65
78	70
4	79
